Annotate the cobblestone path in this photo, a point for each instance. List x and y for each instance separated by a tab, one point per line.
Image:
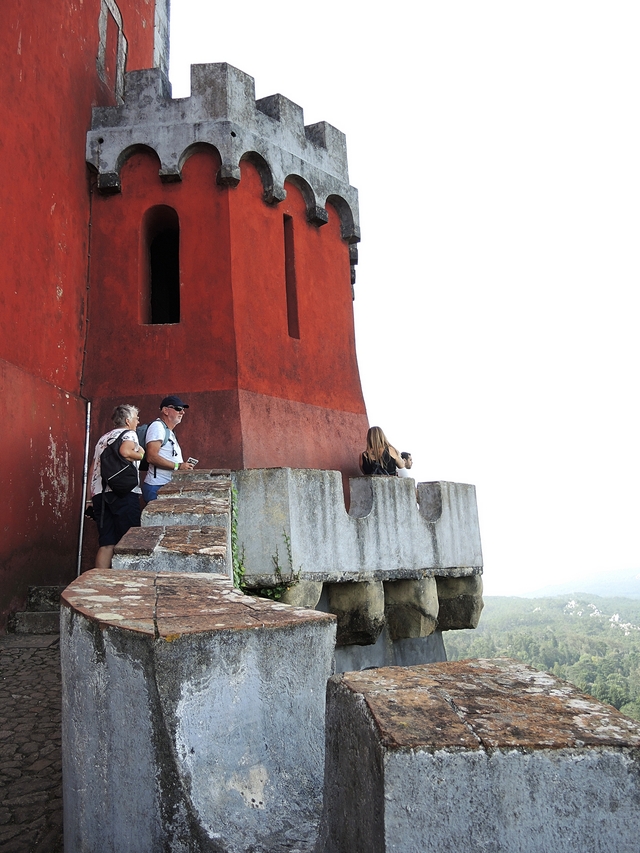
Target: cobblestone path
30	768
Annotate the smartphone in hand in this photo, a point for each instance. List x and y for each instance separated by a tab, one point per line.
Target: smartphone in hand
192	461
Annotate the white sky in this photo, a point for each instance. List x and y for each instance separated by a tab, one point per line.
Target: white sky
496	149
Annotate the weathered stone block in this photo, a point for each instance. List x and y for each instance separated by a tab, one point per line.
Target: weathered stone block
176	548
411	608
196	487
193	716
209	511
480	755
303	594
460	602
360	611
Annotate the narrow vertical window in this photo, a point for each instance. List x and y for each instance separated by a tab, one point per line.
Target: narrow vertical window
290	279
162	244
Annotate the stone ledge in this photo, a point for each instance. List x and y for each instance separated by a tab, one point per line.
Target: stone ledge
201	475
167	605
486	704
203	487
174	548
178	538
186	511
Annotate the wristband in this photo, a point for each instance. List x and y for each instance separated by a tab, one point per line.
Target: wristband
176	466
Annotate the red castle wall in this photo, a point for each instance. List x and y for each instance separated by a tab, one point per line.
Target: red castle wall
48	57
72	315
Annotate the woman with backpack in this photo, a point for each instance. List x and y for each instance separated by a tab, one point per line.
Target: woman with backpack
380	457
115	485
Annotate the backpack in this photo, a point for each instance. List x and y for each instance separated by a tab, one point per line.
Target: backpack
141	432
374	468
121	475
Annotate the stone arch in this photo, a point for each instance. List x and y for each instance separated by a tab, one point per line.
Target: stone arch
109	182
137	148
272	194
348	229
196	148
316	215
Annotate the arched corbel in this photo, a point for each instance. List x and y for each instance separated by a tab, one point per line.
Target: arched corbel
272	193
228	175
196	148
109	182
348	229
349	232
316	215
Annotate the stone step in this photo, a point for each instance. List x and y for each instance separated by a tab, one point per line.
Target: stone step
43	598
36	622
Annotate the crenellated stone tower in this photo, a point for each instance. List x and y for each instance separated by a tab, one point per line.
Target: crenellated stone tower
223	242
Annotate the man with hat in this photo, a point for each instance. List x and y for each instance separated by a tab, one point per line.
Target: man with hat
162	449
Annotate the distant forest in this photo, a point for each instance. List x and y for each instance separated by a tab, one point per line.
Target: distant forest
591	641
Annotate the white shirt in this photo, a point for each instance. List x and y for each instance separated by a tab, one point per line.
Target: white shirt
170	450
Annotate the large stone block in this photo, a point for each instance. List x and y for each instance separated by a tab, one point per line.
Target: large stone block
303	594
480	755
460	602
411	608
193	716
360	611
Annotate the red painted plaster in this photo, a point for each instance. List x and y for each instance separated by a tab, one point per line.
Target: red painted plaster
41	459
48	54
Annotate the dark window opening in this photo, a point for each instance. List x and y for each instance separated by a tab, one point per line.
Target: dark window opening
163	248
290	279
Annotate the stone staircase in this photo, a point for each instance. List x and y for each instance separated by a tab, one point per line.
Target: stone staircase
42	615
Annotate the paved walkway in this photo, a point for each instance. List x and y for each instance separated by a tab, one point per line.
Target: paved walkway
30	769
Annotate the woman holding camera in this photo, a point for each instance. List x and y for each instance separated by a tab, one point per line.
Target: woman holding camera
380	457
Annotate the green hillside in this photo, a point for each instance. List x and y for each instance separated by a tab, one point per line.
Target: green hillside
591	641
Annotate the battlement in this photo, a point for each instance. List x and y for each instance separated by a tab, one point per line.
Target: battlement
385	536
222	112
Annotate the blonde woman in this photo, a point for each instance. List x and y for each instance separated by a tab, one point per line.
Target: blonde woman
380	457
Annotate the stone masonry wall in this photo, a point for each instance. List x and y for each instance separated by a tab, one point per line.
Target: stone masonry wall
192	716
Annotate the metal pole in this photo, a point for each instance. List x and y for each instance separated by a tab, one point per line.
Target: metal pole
85	473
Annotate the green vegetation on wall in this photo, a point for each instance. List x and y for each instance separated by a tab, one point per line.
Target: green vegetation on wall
592	642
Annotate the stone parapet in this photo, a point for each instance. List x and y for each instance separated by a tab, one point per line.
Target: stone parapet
223	112
390	570
476	755
192	716
297	517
